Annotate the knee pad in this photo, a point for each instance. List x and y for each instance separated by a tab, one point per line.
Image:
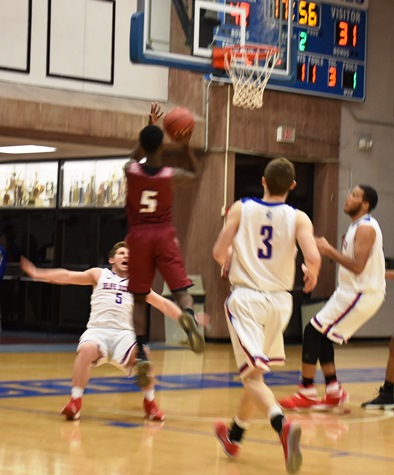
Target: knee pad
311	345
326	351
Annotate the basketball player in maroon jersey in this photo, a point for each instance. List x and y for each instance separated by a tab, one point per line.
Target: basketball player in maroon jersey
151	238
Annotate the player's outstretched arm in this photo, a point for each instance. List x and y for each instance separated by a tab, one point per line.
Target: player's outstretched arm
59	275
164	305
182	176
171	310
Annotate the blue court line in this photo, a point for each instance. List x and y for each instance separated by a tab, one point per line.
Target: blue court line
65	347
38	348
176	382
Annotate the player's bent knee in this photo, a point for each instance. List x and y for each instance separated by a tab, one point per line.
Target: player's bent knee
311	345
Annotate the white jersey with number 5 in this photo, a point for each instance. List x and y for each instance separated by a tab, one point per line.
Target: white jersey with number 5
111	303
264	247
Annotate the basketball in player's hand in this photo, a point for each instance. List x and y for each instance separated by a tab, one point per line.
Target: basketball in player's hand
178	121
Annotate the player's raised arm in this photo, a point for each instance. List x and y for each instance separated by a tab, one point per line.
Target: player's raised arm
181	175
164	305
59	275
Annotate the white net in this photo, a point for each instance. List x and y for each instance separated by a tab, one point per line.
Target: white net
249	76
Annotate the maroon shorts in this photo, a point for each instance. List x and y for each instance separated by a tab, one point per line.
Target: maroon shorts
151	248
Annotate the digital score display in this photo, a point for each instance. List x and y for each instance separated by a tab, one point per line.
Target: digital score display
331	37
331	57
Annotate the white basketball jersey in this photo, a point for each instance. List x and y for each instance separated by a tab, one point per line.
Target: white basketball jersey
264	247
372	278
111	303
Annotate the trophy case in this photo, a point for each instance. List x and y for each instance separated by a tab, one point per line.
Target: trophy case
67	214
28	184
93	183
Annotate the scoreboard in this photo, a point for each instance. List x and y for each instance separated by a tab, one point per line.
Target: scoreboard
331	40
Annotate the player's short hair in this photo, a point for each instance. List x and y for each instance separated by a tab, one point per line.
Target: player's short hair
151	137
370	196
115	249
279	175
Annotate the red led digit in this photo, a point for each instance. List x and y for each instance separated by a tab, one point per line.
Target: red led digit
343	33
285	9
332	76
355	35
312	74
243	5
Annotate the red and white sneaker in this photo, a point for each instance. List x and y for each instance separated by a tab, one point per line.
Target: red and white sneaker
290	438
335	396
231	449
72	410
152	411
304	398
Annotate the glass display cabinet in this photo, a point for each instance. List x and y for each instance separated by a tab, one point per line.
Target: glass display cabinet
93	183
28	184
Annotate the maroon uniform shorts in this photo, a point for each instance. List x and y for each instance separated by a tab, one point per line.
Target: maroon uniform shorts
154	247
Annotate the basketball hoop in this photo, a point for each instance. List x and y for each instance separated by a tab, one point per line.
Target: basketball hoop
249	68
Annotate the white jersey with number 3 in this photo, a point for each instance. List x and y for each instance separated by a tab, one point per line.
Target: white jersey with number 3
111	303
264	247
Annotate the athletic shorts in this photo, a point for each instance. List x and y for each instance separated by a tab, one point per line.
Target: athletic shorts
256	322
345	312
115	345
151	248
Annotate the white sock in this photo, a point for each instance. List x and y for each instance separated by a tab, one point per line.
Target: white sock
76	392
310	391
241	424
332	387
274	411
149	395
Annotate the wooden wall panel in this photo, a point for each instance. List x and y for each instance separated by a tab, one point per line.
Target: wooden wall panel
316	120
187	89
325	221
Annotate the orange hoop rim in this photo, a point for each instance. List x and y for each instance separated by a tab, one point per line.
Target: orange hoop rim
249	52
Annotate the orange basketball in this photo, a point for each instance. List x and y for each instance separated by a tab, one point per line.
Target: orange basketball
177	120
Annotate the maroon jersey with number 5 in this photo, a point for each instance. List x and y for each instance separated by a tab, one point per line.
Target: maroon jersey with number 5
149	194
151	238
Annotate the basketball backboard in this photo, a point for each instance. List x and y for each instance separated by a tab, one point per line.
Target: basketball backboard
208	24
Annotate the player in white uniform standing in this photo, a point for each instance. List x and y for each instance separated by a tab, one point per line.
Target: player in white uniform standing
110	336
358	296
258	244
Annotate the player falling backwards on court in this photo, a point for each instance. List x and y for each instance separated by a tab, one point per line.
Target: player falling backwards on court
261	236
110	335
357	298
152	238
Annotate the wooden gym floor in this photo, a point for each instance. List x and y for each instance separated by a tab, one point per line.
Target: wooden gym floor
193	390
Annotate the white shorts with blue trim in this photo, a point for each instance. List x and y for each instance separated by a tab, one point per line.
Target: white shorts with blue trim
345	312
115	345
256	322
